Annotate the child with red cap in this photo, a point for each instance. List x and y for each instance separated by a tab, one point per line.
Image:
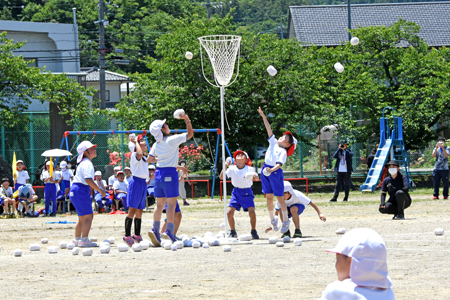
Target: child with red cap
242	195
361	266
272	174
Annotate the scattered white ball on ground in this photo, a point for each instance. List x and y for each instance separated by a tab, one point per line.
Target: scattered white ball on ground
105	249
122	247
226	248
87	252
286	239
70	246
280	244
219	236
111	240
273	240
208	235
183	236
93	239
75	251
354	41
439	231
222	225
245	237
18	252
179	244
340	231
35	247
266	173
206	245
101	244
196	244
178	113
271	70
167	246
339	67
52	249
214	242
298	242
107	241
44	240
136	247
145	244
63	245
174	247
189	55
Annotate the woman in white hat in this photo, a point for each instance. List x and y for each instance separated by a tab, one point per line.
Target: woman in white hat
165	154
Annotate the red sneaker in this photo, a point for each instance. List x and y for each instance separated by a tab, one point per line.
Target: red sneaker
435	197
445	197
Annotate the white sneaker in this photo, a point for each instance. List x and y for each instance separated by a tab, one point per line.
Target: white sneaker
274	223
75	242
285	227
86	244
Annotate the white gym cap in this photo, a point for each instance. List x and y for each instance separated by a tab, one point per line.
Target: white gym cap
83	146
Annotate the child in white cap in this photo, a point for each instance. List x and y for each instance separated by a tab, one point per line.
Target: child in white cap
128	175
97	196
272	184
242	194
361	266
165	154
50	189
296	203
6	197
22	175
80	193
67	177
113	178
120	188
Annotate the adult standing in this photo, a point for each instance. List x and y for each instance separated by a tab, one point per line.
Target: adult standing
370	159
398	188
343	169
441	152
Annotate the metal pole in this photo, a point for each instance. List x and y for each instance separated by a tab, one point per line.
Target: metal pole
102	49
320	154
3	142
222	124
349	14
77	46
121	146
31	145
301	150
208	9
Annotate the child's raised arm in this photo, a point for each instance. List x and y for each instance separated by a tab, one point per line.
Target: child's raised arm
321	217
266	123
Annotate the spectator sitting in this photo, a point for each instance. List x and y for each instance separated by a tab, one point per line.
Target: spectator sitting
97	196
121	189
6	198
128	176
27	196
151	184
113	178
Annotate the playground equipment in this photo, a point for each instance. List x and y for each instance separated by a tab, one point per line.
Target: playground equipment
391	147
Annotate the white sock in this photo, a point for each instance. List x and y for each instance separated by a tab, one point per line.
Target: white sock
85	239
271	215
285	215
77	238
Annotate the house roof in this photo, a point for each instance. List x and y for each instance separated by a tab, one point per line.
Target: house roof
93	75
325	25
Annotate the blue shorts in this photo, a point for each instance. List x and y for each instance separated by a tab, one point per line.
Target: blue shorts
66	184
151	191
242	198
300	208
273	184
137	193
177	208
80	195
166	183
50	192
17	186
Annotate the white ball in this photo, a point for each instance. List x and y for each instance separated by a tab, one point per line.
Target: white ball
206	245
229	161
245	237
339	67
189	55
298	242
145	244
70	246
249	175
226	248
111	240
173	247
35	247
178	113
271	70
93	239
44	241
223	233
340	231
167	246
354	41
273	240
439	231
107	241
196	244
136	247
214	242
87	252
75	251
105	249
183	236
286	239
18	252
208	235
279	244
266	173
179	244
52	250
122	247
63	245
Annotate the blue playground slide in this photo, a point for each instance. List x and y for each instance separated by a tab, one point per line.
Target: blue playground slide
381	158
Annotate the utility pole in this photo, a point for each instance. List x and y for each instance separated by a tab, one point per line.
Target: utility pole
102	52
349	13
208	9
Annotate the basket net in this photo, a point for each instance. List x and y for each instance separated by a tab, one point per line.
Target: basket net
222	51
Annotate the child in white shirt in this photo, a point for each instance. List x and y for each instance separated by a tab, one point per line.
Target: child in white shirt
22	175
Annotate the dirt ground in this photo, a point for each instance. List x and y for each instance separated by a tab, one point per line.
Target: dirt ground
419	261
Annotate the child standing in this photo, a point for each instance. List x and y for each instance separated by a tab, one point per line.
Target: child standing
80	193
296	202
361	265
242	195
6	197
97	196
22	176
165	154
67	177
272	185
137	190
49	190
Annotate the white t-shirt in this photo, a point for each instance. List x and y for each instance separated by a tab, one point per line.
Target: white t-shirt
297	198
238	176
348	290
121	186
167	150
343	167
6	193
85	170
111	180
139	168
67	174
104	184
127	180
46	174
22	177
275	154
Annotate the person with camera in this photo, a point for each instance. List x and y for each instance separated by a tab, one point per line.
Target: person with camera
441	152
343	169
397	186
